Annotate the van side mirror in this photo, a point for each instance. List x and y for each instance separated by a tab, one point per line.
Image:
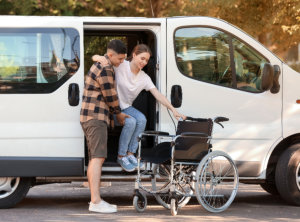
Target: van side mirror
267	77
176	96
276	87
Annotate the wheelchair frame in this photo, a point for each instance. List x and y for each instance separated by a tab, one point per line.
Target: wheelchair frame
205	177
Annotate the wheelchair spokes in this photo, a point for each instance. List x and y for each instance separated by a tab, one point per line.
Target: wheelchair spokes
161	184
217	181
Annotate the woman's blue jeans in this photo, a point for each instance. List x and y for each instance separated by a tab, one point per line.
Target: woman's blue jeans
134	125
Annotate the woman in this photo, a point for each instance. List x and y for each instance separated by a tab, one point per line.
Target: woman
131	80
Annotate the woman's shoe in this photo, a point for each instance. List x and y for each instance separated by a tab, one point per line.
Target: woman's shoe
133	160
126	164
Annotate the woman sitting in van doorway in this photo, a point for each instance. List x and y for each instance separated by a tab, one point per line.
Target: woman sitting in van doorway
131	80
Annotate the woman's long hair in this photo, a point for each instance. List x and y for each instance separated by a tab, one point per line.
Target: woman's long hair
138	49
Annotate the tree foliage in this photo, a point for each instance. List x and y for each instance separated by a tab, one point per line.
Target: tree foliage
275	23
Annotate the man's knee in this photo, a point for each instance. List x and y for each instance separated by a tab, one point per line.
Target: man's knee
97	160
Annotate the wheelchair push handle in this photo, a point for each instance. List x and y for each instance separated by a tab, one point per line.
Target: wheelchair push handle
220	119
217	120
195	119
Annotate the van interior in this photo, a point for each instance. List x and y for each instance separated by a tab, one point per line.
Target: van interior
95	42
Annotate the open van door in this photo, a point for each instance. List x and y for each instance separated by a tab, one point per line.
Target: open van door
222	71
41	78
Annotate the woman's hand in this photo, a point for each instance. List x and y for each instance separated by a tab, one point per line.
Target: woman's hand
177	115
163	100
101	59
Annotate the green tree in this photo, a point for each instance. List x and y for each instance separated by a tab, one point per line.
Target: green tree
275	23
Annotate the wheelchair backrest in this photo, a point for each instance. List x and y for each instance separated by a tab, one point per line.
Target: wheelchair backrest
192	148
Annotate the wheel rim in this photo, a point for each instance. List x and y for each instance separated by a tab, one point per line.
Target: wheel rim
298	176
8	185
216	184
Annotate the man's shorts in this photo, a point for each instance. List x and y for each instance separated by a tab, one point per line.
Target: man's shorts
95	132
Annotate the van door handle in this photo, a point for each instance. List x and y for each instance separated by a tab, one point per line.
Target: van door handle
73	94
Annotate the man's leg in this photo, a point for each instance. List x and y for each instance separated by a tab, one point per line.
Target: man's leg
96	133
94	175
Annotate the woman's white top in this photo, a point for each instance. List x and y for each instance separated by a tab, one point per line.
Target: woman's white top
129	85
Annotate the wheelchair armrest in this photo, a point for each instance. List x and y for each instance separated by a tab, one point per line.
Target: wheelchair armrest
157	133
194	135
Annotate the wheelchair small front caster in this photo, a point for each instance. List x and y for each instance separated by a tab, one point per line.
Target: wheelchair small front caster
140	202
174	207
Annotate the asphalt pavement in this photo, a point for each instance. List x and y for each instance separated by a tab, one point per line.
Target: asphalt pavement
69	202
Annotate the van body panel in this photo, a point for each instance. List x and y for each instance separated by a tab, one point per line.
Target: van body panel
43	124
255	118
291	109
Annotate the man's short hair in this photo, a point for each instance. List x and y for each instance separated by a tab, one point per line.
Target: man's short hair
118	46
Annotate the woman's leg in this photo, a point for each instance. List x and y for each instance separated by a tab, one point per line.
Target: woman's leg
127	133
140	127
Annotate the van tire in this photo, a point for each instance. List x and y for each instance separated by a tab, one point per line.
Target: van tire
287	175
270	188
18	193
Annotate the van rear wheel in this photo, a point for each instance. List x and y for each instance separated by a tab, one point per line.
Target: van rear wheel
13	190
287	175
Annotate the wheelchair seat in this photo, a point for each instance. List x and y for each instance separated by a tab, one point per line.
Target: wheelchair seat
158	154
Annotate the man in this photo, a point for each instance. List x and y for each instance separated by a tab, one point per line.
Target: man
100	102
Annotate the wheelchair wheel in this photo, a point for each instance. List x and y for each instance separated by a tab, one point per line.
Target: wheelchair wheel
216	181
161	182
174	207
140	202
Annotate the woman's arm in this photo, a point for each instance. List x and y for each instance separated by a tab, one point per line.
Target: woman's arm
163	100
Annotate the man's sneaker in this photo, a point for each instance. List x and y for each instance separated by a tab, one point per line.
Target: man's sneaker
102	207
133	160
125	164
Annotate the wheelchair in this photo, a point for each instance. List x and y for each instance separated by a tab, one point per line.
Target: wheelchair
185	166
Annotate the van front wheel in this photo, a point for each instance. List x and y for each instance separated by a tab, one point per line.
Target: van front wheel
270	188
13	190
287	175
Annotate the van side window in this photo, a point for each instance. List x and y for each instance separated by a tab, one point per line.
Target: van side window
248	66
205	54
37	60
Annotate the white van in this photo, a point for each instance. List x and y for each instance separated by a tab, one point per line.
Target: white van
218	69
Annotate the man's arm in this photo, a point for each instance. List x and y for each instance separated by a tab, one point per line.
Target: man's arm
109	92
108	89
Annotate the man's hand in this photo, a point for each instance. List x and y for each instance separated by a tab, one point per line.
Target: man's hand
121	118
101	59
